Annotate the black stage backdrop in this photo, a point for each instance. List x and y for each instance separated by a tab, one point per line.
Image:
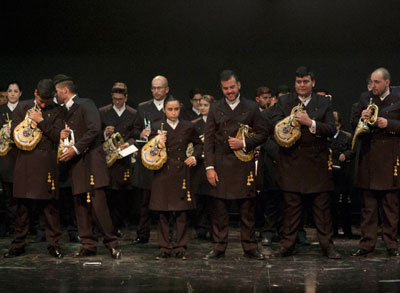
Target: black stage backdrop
190	42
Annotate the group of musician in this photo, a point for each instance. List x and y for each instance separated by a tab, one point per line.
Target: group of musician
189	165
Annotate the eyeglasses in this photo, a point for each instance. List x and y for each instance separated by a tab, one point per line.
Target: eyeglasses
157	88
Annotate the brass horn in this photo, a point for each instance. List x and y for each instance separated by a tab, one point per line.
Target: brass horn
363	125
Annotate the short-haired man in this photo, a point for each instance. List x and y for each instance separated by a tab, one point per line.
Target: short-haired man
118	117
263	97
35	170
377	165
149	112
194	112
302	169
232	178
88	168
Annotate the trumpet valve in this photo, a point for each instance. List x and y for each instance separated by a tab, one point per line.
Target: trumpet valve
49	177
91	180
88	199
189	198
53	186
184	184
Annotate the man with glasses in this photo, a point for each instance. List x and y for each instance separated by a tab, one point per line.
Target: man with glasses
194	112
148	113
118	117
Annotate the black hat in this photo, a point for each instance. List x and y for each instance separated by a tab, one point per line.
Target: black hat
60	78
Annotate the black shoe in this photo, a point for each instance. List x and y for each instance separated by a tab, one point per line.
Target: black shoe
140	240
393	252
74	237
115	253
55	251
285	252
214	254
83	252
181	255
119	234
14	252
331	253
254	254
361	252
266	241
163	255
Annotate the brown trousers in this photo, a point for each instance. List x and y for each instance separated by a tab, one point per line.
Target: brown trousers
181	232
97	212
52	221
388	203
292	215
220	223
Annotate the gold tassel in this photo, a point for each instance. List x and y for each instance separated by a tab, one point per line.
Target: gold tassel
184	184
88	199
91	180
395	171
189	198
49	177
53	186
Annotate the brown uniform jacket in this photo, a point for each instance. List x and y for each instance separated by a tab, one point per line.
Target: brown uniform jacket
166	192
7	162
84	119
124	125
32	168
223	122
379	151
201	184
142	177
303	167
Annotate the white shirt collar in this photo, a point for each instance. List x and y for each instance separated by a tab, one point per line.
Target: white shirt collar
69	104
119	111
173	124
204	118
12	106
305	100
233	103
196	111
159	104
385	94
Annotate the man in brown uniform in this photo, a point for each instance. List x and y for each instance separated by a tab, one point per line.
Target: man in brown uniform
377	165
34	173
302	169
87	167
232	178
118	117
149	112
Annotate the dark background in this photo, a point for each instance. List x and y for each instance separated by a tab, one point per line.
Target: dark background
190	42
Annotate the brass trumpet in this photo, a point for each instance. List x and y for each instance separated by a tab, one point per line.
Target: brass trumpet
363	125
